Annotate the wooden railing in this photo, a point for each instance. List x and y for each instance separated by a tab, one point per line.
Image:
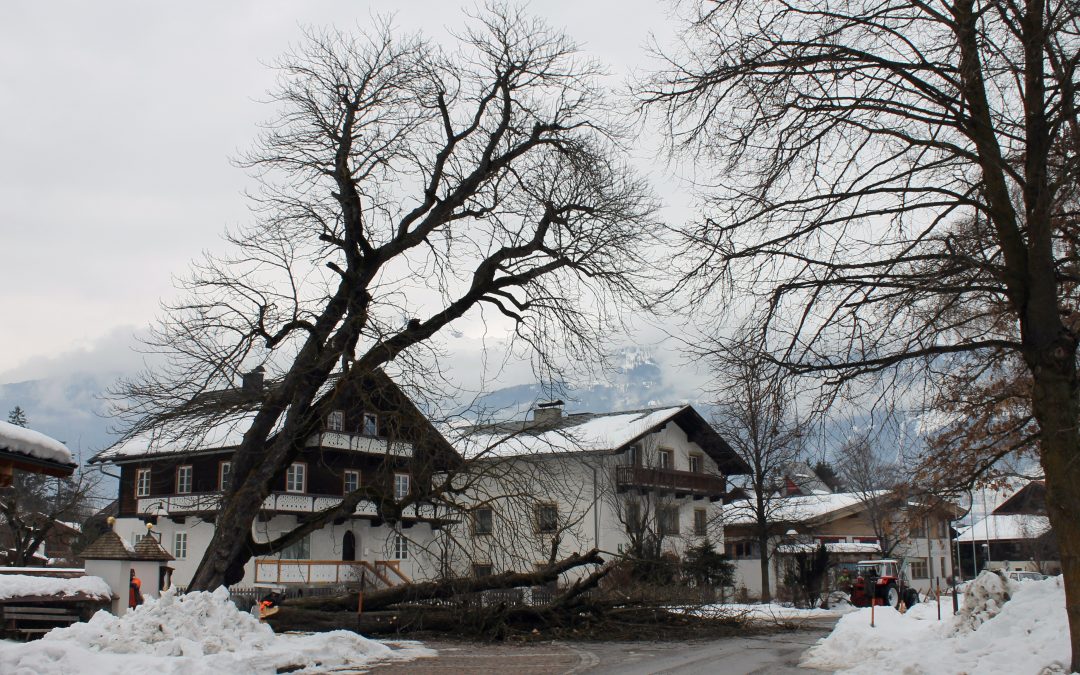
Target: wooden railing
688	482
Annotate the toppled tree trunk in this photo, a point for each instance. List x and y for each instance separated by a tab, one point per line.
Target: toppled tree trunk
433	590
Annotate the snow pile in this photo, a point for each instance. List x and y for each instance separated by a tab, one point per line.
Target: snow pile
983	599
1028	634
764	612
28	585
192	633
29	442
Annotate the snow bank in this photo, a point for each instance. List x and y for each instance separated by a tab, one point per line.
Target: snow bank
27	585
984	599
29	442
764	612
188	634
1028	634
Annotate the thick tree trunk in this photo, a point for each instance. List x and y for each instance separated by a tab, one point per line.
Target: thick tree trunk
766	583
1055	405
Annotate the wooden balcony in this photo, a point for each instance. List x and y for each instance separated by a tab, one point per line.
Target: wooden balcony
682	483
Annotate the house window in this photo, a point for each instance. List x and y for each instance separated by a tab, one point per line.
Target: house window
352	481
183	479
371	425
700	522
633	517
298	550
296	477
547	518
335	421
918	528
740	549
667	520
482	570
919	569
180	545
635	455
224	476
667	459
401	486
866	540
483	521
943	529
696	463
142	482
401	547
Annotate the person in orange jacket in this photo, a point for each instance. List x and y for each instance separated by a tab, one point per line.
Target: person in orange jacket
135	597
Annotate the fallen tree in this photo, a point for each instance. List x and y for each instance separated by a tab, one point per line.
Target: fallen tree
383	598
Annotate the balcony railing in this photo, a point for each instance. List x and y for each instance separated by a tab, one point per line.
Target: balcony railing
278	502
341	440
679	482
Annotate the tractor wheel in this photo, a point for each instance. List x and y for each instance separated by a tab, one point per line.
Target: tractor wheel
892	596
911	597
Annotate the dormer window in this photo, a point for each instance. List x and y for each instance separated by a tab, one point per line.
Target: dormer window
335	421
371	425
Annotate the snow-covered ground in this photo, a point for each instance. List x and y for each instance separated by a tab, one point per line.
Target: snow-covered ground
766	611
1027	634
193	634
26	585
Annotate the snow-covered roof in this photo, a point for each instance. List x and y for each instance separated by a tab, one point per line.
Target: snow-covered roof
29	586
572	433
222	434
795	509
1005	527
23	441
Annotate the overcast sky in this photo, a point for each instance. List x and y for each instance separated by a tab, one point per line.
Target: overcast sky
118	122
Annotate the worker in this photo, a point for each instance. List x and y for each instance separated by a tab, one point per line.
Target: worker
135	597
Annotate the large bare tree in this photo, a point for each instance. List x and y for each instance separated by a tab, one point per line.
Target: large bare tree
405	186
853	136
756	414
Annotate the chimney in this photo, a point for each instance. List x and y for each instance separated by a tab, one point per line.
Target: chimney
547	412
253	381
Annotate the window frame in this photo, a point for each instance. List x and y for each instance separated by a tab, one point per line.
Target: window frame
920	564
701	522
335	421
664	527
489	529
222	465
190	471
345	480
303	467
481	570
180	552
539	522
696	462
401	547
398	494
364	424
139	473
666	458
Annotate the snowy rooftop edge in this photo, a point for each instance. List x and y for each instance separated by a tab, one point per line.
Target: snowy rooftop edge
34	444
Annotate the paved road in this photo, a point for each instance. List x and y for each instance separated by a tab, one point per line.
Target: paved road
774	653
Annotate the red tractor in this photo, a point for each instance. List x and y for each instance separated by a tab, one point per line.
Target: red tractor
880	582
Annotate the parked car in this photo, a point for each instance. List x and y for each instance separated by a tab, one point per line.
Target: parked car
1017	575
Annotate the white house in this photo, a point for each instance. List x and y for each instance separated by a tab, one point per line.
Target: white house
562	483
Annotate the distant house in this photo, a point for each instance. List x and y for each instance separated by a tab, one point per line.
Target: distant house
57	549
559	483
1016	535
842	522
373	436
